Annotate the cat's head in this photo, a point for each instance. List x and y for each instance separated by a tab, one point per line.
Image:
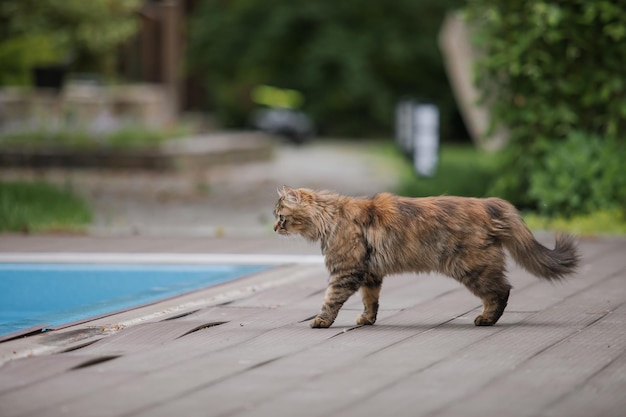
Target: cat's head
295	212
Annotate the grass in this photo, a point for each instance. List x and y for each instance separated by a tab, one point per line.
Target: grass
126	137
466	171
39	207
462	170
604	222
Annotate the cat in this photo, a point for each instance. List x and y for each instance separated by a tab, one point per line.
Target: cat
365	239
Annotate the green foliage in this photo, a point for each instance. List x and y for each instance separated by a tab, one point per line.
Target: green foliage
126	137
18	56
554	72
135	137
466	171
462	171
36	207
40	138
351	59
553	66
605	222
581	175
85	33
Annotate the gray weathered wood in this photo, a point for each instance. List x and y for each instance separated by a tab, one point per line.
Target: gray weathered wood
559	349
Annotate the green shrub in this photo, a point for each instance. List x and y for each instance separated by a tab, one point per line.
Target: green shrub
580	175
550	70
130	136
351	59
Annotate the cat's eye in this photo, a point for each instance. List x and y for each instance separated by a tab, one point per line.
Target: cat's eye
281	217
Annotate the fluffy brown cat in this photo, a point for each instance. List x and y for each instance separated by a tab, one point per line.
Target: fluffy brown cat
364	240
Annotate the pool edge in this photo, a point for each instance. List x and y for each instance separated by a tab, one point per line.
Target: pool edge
218	294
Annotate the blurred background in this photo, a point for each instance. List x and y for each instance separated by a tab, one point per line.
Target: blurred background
182	117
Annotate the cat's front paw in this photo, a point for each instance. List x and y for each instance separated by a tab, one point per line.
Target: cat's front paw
483	321
320	322
364	320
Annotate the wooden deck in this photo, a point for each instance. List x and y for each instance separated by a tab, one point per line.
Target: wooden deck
245	348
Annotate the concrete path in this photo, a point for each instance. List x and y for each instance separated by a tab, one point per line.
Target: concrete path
236	200
227	200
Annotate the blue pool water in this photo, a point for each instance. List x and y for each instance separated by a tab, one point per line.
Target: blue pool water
32	295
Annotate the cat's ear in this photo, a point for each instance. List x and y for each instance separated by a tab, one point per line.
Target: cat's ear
282	192
290	195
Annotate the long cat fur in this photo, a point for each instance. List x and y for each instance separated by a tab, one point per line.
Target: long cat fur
365	239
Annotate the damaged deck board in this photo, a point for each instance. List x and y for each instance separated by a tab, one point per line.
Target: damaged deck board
558	350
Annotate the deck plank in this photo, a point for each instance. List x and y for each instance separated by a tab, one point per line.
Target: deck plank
437	382
551	373
343	351
70	386
27	371
559	349
600	395
315	399
168	384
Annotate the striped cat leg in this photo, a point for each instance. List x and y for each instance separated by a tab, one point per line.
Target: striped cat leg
370	293
493	307
337	293
493	289
489	283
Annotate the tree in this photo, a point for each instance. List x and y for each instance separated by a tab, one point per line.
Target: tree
554	72
351	59
77	32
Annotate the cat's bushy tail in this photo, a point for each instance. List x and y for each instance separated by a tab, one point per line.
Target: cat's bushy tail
551	264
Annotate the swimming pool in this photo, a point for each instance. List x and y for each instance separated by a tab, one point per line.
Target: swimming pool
40	296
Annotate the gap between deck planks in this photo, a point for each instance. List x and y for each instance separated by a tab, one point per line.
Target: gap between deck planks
206	388
272	362
339	379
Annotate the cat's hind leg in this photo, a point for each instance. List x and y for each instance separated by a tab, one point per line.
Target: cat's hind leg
493	307
370	293
489	283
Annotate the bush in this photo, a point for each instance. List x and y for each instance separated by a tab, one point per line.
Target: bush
553	70
351	59
125	137
581	175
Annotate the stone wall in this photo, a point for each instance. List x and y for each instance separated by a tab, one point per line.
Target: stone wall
85	106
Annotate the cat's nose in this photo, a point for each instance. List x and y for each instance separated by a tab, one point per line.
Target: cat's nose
275	227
